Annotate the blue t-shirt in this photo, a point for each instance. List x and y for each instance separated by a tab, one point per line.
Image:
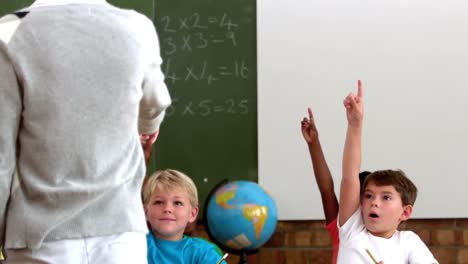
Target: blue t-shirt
188	250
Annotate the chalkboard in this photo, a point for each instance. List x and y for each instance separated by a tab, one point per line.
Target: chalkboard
145	7
412	57
209	53
9	6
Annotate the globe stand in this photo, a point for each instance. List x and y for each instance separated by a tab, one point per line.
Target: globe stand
243	258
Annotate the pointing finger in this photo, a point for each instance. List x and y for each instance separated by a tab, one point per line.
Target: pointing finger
311	116
359	94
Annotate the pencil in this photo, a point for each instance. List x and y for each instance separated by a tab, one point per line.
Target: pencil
372	257
223	258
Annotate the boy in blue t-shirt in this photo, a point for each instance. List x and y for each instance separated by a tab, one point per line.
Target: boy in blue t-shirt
171	202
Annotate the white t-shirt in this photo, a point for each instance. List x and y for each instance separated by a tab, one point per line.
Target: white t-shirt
402	248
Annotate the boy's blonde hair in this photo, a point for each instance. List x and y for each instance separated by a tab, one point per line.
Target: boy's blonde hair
169	180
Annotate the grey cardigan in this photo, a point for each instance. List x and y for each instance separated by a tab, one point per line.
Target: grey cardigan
78	84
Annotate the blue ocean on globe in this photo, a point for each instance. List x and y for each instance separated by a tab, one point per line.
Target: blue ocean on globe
241	215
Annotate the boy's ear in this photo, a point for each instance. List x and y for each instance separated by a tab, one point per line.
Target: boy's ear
146	211
407	211
193	214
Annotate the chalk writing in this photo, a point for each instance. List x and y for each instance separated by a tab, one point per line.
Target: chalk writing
188	45
207	73
196	41
186	34
195	21
208	107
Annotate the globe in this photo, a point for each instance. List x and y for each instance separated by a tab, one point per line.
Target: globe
241	216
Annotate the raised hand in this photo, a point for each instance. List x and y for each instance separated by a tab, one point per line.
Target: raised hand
354	106
322	173
350	186
309	130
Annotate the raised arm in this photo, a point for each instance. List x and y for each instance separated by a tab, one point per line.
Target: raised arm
350	186
322	173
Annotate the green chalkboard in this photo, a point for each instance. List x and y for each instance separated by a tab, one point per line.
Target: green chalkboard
209	53
145	7
8	6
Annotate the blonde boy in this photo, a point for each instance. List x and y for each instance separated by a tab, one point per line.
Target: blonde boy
171	202
369	222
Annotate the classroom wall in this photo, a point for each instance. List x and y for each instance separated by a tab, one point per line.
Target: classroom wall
307	242
412	57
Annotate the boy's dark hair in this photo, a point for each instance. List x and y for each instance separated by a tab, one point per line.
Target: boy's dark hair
396	178
362	176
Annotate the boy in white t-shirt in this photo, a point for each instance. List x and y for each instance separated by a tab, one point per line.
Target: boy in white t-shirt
368	221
